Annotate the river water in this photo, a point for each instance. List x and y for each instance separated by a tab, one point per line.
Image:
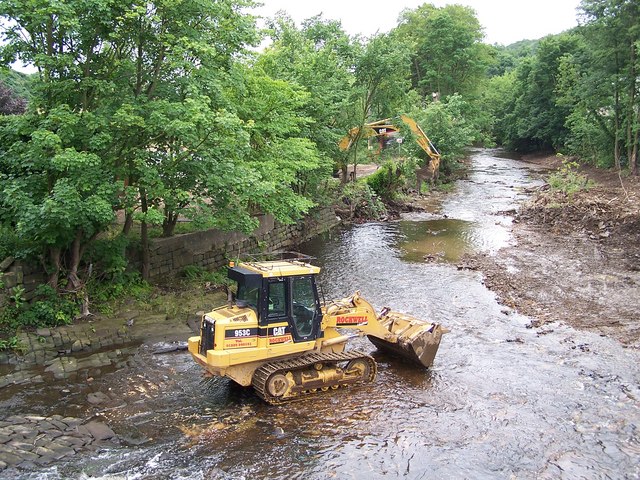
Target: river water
501	401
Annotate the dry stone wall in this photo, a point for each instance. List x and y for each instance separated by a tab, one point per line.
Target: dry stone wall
211	249
15	274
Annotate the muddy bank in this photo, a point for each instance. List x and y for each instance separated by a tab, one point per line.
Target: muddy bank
576	258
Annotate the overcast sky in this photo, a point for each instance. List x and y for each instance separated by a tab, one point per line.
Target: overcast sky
504	21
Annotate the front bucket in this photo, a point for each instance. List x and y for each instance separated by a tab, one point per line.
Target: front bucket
410	338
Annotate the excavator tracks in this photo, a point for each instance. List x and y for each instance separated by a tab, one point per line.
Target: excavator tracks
289	380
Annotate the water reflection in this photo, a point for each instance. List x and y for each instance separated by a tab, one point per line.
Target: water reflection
445	240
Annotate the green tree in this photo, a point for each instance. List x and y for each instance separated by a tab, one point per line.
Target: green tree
17	82
497	101
509	57
381	86
57	195
447	125
287	167
319	57
448	53
584	91
156	104
612	34
129	93
536	121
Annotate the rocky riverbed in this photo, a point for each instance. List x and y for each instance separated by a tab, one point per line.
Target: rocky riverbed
30	441
56	392
576	258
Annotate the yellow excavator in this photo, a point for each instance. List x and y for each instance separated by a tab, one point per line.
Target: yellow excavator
386	130
275	335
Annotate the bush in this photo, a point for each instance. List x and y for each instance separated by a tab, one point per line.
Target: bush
108	257
568	179
127	284
48	309
362	201
387	180
112	280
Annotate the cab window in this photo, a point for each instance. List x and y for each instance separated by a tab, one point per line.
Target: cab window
249	295
304	305
277	299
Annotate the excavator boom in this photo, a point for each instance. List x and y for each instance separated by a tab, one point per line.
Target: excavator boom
422	138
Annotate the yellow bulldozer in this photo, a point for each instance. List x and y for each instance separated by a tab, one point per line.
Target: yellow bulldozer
275	335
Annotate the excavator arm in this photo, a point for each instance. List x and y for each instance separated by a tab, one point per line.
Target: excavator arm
422	138
383	127
349	139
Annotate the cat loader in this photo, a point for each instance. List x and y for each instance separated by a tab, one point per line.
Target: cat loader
275	335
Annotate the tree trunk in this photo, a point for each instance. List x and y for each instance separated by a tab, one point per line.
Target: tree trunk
418	85
169	224
344	170
354	147
75	284
74	280
352	176
144	238
616	144
54	259
616	112
634	114
144	235
128	223
632	145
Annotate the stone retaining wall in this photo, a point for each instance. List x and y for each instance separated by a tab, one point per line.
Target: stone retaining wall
209	249
212	249
14	273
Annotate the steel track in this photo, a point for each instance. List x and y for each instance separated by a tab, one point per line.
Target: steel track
308	362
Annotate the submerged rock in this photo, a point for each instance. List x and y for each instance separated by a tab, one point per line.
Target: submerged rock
96	398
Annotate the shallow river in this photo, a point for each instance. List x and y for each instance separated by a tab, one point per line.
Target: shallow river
502	400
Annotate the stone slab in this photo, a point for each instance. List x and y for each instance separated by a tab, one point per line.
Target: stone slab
10	458
6	263
100	431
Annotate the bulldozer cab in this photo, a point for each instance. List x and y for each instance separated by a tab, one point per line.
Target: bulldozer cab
284	296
